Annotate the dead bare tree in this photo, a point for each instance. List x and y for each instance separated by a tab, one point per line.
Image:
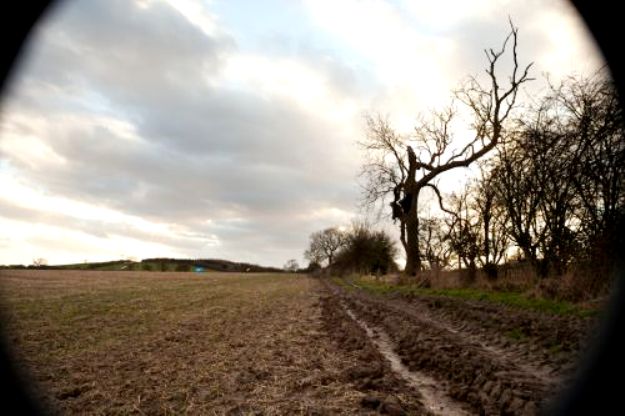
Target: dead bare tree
404	166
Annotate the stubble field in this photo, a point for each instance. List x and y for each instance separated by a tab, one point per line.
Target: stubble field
252	344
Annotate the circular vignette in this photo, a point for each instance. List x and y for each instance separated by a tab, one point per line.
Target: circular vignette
16	393
596	390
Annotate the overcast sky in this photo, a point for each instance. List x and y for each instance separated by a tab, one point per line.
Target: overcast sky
228	129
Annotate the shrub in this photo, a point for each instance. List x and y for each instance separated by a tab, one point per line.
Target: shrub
366	251
490	270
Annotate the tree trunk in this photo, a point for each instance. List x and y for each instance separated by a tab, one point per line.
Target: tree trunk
413	254
487	237
402	235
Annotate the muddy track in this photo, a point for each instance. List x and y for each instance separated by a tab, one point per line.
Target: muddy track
461	349
553	343
385	390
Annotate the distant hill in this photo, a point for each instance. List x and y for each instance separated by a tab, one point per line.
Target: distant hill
160	264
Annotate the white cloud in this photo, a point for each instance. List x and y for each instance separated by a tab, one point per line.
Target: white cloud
107	221
29	150
441	15
61	245
568	45
289	79
198	14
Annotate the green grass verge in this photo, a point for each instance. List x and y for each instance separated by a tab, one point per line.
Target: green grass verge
514	299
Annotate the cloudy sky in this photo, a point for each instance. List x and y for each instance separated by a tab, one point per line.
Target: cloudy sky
228	129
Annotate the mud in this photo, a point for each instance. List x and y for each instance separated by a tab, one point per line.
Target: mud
466	351
433	398
386	390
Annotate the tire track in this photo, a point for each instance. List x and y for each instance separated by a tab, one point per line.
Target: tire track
489	379
511	358
433	397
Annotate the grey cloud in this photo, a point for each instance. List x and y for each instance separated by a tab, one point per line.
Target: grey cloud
188	238
149	179
207	153
173	106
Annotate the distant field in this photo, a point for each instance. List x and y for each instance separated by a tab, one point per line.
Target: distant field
171	343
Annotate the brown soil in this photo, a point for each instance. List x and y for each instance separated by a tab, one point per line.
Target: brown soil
216	343
180	343
372	373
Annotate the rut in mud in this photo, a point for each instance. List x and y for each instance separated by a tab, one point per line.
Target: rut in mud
461	348
433	397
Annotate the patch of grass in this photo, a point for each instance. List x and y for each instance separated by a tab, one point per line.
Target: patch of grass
516	334
346	283
514	299
555	349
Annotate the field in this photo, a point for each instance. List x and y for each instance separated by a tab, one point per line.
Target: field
226	343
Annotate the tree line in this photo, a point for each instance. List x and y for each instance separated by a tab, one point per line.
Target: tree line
553	191
549	190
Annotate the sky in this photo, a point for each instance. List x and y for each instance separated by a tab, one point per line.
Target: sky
229	129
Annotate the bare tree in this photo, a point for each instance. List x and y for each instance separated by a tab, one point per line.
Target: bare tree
559	176
291	266
493	236
435	243
405	166
519	192
594	121
463	231
324	245
40	261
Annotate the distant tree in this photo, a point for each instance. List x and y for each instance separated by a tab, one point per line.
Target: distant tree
476	226
147	266
39	262
493	238
324	245
291	266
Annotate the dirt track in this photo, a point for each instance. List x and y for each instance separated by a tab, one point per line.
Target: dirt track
179	343
466	349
